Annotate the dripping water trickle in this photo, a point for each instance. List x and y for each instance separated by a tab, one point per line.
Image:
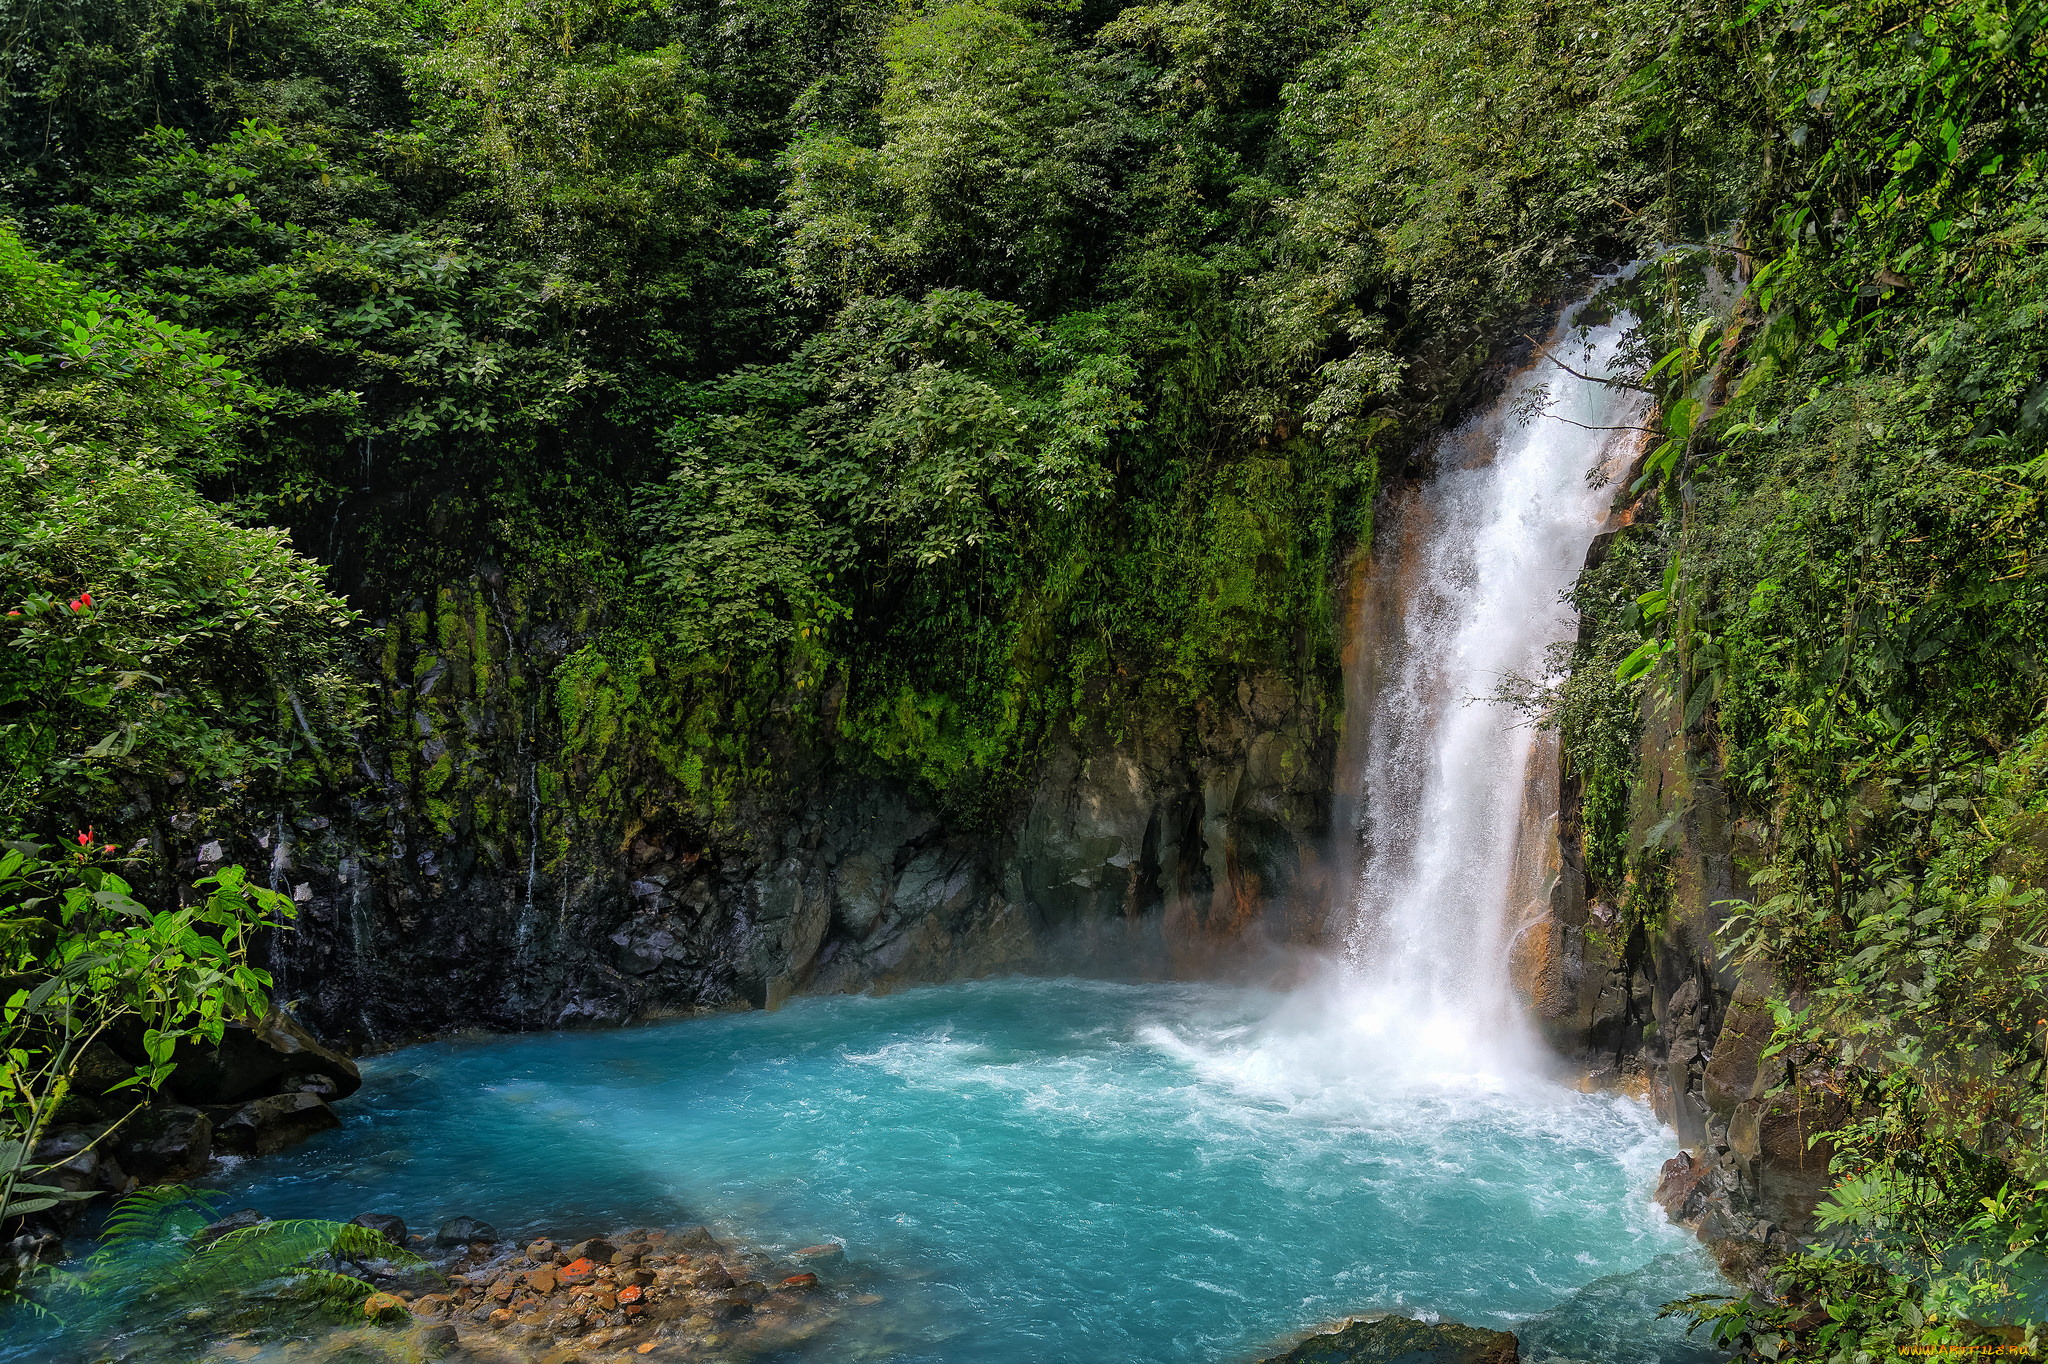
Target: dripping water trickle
280	858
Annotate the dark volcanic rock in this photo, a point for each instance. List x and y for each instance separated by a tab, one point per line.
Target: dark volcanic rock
458	1231
78	1159
250	1058
384	1224
1403	1340
1188	841
166	1143
261	1126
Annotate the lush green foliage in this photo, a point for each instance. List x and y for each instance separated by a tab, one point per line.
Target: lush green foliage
152	642
944	374
149	637
80	958
1850	616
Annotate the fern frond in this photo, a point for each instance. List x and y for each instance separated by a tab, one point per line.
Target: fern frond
153	1214
327	1286
48	1278
253	1255
352	1242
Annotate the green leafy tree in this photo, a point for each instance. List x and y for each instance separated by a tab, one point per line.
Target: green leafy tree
149	638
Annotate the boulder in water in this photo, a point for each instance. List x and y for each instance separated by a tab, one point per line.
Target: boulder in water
263	1126
1403	1340
459	1231
252	1057
385	1307
167	1144
390	1227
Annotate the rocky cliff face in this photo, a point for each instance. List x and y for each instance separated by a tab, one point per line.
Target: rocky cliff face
1651	1003
509	853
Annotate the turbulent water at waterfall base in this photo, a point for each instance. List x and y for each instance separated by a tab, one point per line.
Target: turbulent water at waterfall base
1050	1170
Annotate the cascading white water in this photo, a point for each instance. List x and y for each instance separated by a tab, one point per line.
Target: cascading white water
1470	578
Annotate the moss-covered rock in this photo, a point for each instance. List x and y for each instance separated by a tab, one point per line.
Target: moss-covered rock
1403	1340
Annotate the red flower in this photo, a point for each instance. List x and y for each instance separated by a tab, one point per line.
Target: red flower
85	597
14	613
75	606
109	849
85	839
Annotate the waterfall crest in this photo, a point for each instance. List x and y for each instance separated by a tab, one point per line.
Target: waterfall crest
1464	590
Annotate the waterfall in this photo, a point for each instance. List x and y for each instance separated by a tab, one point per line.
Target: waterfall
1464	591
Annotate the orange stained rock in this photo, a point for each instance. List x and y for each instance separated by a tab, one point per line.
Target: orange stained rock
379	1306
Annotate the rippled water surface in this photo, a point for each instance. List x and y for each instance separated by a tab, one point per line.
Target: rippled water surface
1051	1170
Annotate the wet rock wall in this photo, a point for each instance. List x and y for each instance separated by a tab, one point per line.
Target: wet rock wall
1645	1000
536	832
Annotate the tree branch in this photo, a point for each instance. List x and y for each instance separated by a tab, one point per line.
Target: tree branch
1646	430
1589	378
1708	246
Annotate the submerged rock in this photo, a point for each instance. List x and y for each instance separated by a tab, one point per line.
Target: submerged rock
1403	1340
435	1341
234	1221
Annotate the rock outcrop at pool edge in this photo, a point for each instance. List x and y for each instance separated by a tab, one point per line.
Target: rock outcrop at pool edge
1404	1340
1656	1004
265	1086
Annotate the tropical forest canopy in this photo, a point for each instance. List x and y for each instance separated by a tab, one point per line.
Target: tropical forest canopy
974	370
